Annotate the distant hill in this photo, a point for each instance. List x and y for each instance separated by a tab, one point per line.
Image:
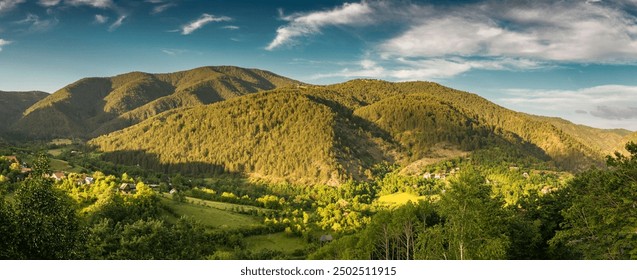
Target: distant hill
95	106
12	104
621	146
328	134
604	141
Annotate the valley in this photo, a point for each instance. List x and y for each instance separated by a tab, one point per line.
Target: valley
230	163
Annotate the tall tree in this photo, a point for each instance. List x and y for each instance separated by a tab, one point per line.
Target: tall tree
7	231
47	224
601	222
474	227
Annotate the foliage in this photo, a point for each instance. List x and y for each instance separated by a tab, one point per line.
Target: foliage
46	221
600	221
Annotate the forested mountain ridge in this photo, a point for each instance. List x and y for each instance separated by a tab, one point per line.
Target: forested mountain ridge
329	134
94	106
14	103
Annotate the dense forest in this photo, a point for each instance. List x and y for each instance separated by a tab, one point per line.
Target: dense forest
328	135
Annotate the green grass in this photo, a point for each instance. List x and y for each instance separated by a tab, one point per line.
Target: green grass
60	165
55	152
275	242
397	199
61	142
225	206
209	216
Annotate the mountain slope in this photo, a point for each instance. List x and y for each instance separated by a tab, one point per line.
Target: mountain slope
12	105
95	106
328	134
278	135
604	141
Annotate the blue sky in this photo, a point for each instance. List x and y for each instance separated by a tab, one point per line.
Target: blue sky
571	59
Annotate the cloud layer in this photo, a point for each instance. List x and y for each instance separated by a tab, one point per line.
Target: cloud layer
35	24
201	22
605	105
102	4
573	31
441	41
7	5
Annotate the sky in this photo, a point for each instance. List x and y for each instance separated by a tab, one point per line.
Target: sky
571	59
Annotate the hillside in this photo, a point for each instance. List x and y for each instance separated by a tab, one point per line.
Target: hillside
14	103
621	146
604	141
95	106
328	134
276	135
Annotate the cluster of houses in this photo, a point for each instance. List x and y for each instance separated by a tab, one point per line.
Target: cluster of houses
440	176
23	165
131	188
83	179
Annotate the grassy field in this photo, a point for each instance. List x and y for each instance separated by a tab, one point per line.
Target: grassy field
397	199
55	152
209	216
60	165
274	242
224	205
61	142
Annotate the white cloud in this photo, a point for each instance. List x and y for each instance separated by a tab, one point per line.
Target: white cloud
161	5
403	69
311	23
200	22
117	23
7	5
174	51
549	31
102	4
594	96
3	43
231	27
600	106
161	8
101	19
567	31
49	3
36	24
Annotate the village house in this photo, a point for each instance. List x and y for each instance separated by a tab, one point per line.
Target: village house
127	188
12	159
58	175
23	165
326	238
89	180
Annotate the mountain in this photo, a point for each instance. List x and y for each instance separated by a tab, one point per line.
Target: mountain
604	141
95	106
14	103
329	134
